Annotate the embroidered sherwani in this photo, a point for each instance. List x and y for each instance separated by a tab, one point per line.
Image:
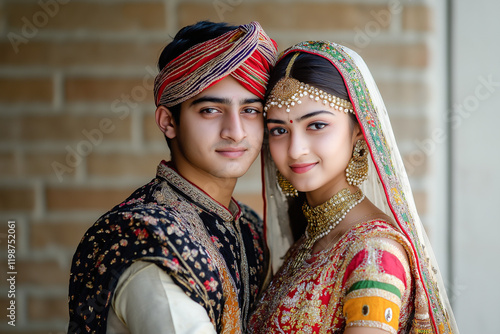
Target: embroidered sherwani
214	254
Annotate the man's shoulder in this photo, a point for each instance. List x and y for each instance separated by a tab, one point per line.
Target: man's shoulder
248	212
250	216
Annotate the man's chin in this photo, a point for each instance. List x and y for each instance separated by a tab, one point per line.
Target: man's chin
233	170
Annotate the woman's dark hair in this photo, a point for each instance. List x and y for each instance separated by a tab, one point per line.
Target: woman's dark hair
186	38
313	70
320	73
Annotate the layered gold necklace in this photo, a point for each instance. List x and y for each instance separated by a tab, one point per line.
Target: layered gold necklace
322	219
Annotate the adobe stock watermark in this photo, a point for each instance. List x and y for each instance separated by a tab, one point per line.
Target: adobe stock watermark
223	6
485	88
373	28
121	108
31	26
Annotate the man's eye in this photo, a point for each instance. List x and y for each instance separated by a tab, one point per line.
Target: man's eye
209	111
251	111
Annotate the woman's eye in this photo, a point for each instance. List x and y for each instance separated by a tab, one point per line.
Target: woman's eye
277	131
317	126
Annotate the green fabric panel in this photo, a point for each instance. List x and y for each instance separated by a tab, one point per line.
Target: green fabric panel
375	285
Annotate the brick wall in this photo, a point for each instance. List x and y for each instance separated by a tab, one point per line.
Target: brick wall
77	131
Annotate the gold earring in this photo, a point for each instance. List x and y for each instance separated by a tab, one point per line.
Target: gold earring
357	169
286	187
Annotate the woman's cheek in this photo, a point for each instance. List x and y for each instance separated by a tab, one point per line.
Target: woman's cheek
278	152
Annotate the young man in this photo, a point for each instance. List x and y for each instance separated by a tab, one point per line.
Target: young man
180	255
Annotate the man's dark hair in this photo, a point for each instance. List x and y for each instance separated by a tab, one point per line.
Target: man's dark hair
186	38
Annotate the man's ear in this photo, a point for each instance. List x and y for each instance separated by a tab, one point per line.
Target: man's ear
165	121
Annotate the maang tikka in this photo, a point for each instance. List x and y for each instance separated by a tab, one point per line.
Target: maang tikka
357	169
288	91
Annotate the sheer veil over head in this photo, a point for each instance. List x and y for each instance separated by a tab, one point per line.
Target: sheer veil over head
387	185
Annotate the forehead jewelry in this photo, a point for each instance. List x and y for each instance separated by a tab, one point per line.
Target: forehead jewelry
288	92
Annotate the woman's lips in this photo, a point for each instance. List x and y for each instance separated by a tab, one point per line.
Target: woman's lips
302	168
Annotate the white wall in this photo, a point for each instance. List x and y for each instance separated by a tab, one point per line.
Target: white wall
476	164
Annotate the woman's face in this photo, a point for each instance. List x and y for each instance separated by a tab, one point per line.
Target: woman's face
312	145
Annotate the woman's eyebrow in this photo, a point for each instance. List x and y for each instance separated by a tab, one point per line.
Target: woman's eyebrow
314	113
276	121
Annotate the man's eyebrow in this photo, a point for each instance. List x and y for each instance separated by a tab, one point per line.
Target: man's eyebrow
225	100
213	99
252	100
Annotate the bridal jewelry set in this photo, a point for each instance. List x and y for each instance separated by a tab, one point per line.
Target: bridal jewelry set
323	218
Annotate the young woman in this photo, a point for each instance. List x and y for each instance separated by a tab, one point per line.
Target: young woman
359	264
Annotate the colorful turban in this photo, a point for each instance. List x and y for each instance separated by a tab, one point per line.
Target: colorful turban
246	53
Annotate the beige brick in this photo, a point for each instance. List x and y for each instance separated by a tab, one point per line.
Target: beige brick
9	128
8	165
40	164
404	93
151	130
416	163
40	273
82	53
282	15
108	90
252	200
113	165
75	127
417	18
48	308
84	198
409	128
93	16
395	55
25	89
421	201
14	199
67	235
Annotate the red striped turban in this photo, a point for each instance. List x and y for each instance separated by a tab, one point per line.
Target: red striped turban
246	53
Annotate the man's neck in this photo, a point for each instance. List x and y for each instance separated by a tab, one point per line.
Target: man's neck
220	189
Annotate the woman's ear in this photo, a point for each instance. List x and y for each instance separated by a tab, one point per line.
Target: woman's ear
165	121
357	134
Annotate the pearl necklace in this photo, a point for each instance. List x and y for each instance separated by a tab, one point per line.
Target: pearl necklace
323	218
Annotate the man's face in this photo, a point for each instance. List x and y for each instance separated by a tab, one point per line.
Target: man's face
219	134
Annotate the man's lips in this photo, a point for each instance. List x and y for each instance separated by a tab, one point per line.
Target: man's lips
231	152
302	168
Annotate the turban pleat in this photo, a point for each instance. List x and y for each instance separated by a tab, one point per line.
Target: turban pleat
246	53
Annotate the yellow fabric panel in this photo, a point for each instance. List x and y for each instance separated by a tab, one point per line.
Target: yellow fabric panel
372	309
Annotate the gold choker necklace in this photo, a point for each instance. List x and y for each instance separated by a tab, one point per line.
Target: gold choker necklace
323	218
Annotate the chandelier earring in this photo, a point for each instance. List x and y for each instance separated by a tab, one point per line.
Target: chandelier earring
286	187
357	169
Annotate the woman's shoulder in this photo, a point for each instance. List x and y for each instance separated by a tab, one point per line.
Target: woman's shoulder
373	239
380	226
